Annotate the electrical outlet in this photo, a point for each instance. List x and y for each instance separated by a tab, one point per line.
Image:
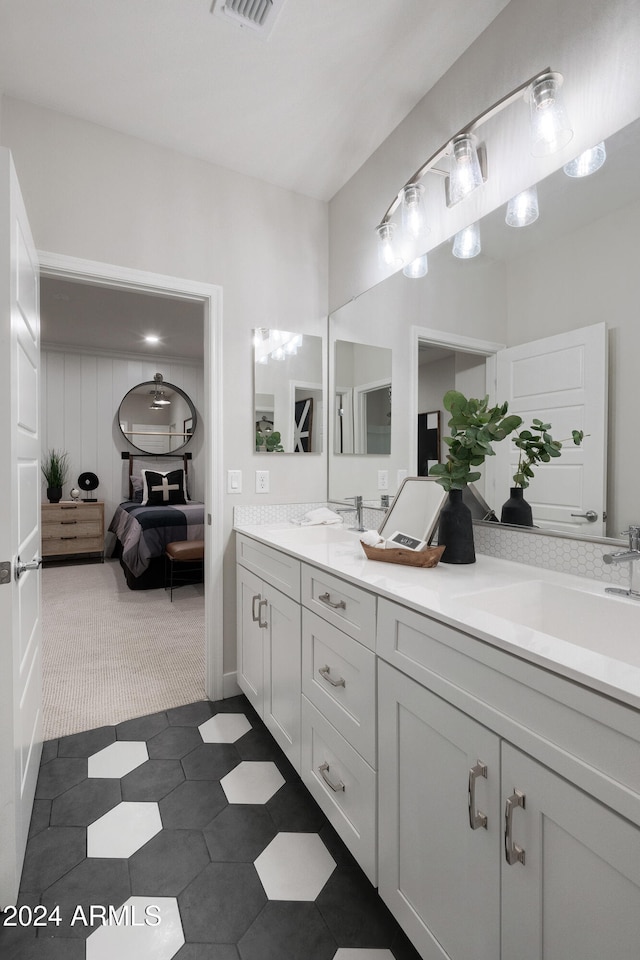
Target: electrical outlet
262	481
234	481
383	479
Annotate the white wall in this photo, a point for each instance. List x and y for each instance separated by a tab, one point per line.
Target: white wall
99	195
594	44
81	394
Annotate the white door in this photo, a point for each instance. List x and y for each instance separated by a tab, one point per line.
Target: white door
20	652
561	380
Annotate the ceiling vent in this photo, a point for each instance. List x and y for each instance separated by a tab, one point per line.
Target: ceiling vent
257	16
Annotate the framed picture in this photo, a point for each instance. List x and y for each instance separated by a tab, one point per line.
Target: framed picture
303	425
188	426
428	441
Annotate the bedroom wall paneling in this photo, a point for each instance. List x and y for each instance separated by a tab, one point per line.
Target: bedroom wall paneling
81	395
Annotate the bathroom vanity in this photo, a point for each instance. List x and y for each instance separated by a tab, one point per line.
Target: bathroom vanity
473	734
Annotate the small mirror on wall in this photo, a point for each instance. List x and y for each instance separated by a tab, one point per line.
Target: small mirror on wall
288	393
362	399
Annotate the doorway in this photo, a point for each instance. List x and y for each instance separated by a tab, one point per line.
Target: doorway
207	300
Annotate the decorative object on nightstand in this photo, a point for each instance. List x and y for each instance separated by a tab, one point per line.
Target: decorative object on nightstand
55	469
74	493
88	482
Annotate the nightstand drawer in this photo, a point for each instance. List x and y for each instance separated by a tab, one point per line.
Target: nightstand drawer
339	678
67	509
66	529
70	545
341	603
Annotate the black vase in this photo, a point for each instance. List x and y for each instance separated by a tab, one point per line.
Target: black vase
456	530
516	510
54	494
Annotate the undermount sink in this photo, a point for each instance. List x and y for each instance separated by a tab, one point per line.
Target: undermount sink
600	623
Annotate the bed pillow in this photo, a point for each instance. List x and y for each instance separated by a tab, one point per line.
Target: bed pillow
136	489
163	488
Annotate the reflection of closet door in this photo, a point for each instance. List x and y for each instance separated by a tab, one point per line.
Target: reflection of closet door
343	422
372	418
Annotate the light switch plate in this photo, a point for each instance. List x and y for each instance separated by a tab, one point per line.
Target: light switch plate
234	481
383	479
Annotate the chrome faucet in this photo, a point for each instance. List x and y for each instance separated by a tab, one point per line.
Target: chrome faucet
630	556
357	509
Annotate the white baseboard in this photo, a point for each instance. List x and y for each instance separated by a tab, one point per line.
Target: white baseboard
230	686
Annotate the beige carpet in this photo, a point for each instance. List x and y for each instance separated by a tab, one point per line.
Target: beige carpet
110	653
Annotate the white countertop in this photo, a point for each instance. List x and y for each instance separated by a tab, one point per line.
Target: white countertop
447	593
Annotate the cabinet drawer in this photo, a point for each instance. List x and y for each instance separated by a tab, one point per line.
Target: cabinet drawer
55	512
54	547
351	808
278	569
64	529
339	678
347	607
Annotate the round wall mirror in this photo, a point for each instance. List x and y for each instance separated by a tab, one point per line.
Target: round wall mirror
157	417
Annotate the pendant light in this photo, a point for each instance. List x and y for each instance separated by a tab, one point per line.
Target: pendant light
587	162
466	175
550	128
387	254
414	219
417	268
466	243
523	208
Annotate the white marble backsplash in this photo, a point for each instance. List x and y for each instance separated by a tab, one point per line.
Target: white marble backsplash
583	558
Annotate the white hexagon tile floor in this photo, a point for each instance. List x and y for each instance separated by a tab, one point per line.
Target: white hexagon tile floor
187	835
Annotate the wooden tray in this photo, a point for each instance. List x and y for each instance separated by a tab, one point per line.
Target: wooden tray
423	558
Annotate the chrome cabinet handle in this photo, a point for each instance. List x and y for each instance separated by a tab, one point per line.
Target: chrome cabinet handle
23	567
323	770
325	673
513	853
590	515
476	817
254	615
326	598
260	605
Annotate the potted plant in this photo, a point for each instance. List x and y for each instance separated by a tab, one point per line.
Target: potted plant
536	445
475	427
269	442
55	468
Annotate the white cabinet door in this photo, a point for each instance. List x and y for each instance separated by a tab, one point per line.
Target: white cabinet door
250	645
577	894
282	672
439	877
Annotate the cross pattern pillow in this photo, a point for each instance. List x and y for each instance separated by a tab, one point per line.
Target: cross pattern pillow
163	488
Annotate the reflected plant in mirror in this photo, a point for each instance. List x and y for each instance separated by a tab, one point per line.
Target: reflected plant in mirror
288	400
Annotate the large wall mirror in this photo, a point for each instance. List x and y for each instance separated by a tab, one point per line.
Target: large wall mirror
157	417
288	392
574	267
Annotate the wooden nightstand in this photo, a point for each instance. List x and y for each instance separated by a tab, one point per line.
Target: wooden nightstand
72	529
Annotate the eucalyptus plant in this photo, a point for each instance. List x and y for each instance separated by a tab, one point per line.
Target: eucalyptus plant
536	445
270	441
55	468
475	427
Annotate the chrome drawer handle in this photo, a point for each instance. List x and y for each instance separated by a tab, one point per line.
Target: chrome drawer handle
326	598
260	605
323	770
513	853
254	615
476	817
325	673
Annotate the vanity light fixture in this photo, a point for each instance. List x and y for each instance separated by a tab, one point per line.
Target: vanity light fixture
466	158
523	208
466	243
587	162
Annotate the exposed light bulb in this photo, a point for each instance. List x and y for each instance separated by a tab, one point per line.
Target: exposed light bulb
466	243
414	221
523	208
152	338
466	175
550	127
417	268
587	162
387	254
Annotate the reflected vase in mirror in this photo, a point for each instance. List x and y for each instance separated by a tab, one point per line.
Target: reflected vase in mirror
456	530
516	510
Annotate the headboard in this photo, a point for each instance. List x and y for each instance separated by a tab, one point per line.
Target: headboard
126	455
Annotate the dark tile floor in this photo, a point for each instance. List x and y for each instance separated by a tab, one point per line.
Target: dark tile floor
201	837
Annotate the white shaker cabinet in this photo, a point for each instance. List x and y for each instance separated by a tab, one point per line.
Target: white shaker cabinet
269	655
552	874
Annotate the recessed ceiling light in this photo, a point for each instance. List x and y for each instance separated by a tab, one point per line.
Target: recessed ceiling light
152	339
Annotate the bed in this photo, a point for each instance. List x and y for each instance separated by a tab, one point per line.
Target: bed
143	529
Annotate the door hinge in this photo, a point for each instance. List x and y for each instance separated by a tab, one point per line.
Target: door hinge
5	571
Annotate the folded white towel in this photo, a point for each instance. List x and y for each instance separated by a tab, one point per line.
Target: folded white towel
320	515
373	539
